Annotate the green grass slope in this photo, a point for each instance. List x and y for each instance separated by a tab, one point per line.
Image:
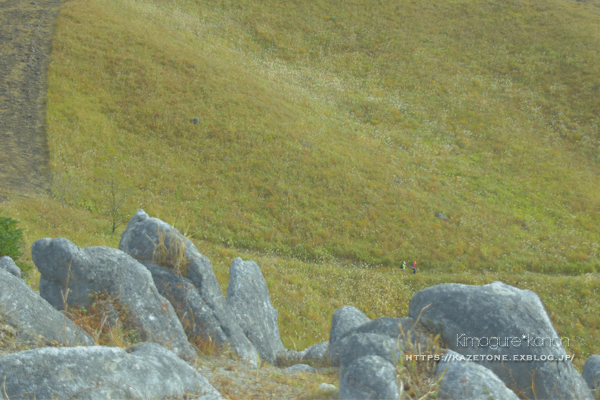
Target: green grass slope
336	130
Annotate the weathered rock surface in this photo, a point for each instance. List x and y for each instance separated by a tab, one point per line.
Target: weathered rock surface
32	316
369	378
390	327
9	265
364	344
591	372
102	269
344	320
248	297
318	353
197	318
140	240
144	371
484	320
381	336
466	380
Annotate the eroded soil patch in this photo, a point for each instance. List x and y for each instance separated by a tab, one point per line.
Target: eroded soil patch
26	29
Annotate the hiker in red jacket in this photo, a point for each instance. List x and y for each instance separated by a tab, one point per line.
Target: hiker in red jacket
414	267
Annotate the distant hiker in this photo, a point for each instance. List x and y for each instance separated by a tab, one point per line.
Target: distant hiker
414	267
403	266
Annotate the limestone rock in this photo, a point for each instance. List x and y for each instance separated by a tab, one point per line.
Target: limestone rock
391	327
326	387
491	320
9	265
144	371
365	344
33	316
248	297
197	318
296	369
140	240
468	380
316	353
102	269
591	372
344	320
369	378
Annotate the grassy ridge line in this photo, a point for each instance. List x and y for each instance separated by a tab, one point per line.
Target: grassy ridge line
389	117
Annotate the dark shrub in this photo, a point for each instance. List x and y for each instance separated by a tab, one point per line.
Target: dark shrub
11	238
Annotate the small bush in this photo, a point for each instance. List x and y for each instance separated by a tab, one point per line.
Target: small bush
11	238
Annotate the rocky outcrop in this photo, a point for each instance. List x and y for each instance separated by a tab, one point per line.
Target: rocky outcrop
151	240
315	354
344	320
172	294
248	297
33	318
402	330
369	352
498	320
144	371
197	318
84	271
298	368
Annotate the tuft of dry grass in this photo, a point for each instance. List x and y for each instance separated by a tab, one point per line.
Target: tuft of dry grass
417	367
207	346
107	320
170	252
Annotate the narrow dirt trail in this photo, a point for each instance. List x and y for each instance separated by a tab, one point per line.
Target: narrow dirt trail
26	29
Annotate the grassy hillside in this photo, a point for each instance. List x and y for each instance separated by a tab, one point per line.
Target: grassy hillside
329	134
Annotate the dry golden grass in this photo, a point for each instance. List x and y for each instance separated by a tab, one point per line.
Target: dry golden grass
372	123
170	252
106	320
416	378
